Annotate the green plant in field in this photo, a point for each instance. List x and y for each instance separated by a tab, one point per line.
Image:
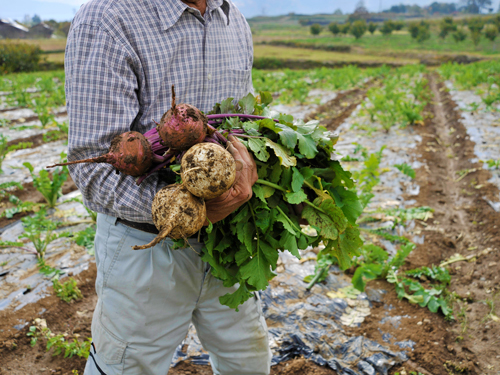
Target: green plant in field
316	29
19	57
434	298
344	28
374	263
20	207
368	177
460	35
406	169
50	185
334	28
66	291
3	149
85	237
491	32
358	28
6	186
43	111
47	270
420	31
61	343
387	27
493	164
60	133
447	26
40	231
372	27
475	26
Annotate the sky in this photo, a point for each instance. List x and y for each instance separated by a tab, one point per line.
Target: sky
64	10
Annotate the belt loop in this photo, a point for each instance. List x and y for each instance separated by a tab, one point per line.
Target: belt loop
111	219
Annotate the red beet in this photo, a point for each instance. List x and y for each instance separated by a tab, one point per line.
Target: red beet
130	153
182	126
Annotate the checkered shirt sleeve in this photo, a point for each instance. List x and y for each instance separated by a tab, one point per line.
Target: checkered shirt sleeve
121	59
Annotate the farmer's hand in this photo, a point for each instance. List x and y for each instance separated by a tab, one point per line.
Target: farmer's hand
241	191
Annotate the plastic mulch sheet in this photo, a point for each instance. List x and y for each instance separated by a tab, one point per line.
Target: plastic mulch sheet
310	324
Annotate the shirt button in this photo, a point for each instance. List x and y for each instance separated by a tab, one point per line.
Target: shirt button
209	76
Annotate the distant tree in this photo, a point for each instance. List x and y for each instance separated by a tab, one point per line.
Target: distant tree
401	8
442	8
35	20
398	25
316	29
475	26
420	31
334	28
344	28
52	23
360	7
491	32
64	27
447	26
460	35
474	6
387	27
358	28
338	12
413	29
372	26
304	21
424	32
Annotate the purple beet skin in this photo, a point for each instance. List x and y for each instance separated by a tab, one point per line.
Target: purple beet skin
182	126
130	153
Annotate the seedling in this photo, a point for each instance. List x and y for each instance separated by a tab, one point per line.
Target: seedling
49	186
67	291
40	231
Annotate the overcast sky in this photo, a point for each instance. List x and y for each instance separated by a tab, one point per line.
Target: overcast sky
61	10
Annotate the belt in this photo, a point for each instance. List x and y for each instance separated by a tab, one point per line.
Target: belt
145	227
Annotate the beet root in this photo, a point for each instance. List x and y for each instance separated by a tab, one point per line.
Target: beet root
130	153
176	213
182	126
208	170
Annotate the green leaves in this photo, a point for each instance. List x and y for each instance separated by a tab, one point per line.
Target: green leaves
294	167
406	169
49	186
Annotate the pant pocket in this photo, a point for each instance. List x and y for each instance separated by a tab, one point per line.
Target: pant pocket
110	349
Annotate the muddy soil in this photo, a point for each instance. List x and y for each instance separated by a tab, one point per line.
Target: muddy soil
466	224
334	112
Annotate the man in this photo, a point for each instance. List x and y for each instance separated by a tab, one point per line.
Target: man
122	57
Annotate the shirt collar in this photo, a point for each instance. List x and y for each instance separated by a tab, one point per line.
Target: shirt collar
171	10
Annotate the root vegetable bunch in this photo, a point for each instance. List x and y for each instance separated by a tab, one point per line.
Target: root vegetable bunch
294	165
179	211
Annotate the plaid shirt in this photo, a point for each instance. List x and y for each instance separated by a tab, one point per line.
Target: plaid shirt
122	58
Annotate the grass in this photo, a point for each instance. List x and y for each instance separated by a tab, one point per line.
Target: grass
279	52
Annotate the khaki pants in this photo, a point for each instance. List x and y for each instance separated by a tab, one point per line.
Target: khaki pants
148	298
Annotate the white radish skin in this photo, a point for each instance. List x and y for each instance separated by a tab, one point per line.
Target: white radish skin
208	170
176	213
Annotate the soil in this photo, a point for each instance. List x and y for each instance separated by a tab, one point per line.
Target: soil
333	113
463	223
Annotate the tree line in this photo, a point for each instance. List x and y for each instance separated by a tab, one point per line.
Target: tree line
474	27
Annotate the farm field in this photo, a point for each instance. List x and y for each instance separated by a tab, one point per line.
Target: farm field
424	296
